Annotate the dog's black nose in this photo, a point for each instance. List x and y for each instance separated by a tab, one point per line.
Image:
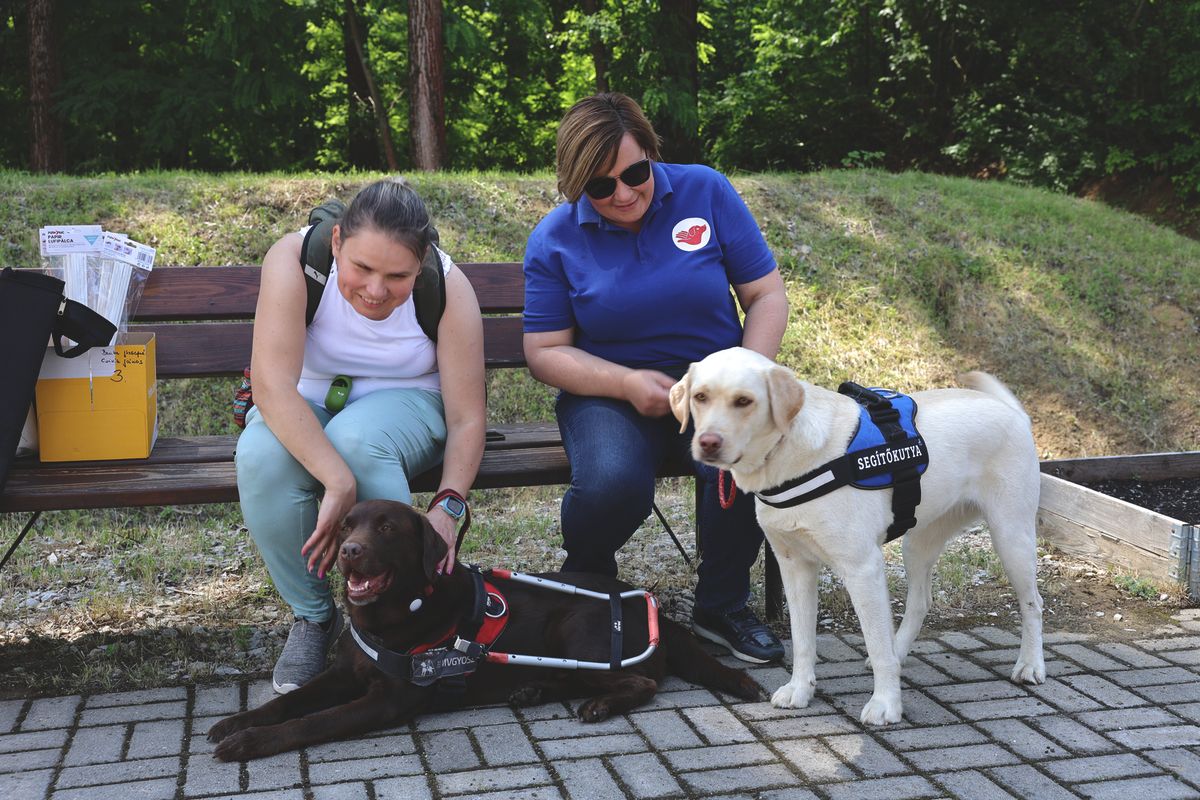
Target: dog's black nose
351	551
710	443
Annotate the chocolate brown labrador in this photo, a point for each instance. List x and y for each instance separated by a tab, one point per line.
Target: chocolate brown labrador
388	554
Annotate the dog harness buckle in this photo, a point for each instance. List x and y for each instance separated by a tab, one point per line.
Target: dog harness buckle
473	649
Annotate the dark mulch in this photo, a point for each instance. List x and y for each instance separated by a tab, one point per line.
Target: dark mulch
1178	498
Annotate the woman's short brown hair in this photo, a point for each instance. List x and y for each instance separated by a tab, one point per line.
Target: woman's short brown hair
589	135
392	207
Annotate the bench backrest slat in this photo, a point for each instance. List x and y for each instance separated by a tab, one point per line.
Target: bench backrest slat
202	316
206	293
199	293
206	349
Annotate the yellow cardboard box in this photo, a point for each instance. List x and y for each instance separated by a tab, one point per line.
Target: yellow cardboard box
101	405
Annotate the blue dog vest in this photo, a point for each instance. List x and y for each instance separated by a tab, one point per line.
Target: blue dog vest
886	451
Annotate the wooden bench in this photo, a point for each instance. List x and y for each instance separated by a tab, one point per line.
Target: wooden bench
203	318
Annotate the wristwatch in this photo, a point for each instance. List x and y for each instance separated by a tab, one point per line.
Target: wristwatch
456	507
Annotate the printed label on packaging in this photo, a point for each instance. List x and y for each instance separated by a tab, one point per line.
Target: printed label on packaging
57	240
127	251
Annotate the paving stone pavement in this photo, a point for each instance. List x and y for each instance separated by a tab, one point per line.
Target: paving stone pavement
1113	720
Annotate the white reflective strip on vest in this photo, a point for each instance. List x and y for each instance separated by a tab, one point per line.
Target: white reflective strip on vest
810	484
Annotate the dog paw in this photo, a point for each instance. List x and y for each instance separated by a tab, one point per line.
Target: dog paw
525	696
793	694
747	688
594	710
245	745
224	728
881	711
1027	672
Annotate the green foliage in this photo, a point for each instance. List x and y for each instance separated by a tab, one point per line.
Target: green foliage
1138	587
1050	94
339	114
14	103
503	99
209	84
859	159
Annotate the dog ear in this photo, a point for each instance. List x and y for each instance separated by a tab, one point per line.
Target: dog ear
786	396
681	400
433	548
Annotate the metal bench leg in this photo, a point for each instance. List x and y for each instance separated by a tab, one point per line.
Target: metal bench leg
774	583
20	536
671	533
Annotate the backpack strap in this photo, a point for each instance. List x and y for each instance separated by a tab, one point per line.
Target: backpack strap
316	259
429	292
316	254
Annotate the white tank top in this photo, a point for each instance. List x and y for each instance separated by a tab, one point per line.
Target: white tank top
392	353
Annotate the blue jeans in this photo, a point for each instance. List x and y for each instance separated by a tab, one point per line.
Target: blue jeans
384	437
614	453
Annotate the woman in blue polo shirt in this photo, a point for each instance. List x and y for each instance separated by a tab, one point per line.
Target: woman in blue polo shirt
626	284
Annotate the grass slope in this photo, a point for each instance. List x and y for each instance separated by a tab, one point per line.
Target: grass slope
1088	313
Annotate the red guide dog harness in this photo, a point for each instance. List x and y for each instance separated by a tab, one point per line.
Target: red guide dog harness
457	653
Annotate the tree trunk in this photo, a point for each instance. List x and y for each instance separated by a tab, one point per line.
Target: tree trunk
362	145
427	76
46	152
599	51
381	117
679	121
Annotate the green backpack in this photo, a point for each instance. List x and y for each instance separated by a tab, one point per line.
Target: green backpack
316	258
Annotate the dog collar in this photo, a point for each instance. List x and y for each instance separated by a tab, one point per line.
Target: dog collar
886	451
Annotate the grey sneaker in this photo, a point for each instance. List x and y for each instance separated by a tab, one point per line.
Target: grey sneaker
303	656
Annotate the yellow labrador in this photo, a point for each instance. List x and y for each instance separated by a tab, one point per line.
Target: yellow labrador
757	420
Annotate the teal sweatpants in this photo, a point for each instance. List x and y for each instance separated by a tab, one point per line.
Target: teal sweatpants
384	437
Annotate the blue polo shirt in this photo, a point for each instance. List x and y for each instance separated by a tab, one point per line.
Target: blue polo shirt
656	299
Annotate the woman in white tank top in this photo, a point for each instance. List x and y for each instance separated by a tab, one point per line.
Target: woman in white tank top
412	404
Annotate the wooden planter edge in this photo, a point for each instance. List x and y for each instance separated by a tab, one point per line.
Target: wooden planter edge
1112	532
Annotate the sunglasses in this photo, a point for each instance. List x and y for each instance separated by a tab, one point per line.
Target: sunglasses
634	175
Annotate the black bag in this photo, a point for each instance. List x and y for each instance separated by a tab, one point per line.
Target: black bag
32	310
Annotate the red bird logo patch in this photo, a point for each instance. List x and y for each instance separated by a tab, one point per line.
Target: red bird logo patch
692	235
